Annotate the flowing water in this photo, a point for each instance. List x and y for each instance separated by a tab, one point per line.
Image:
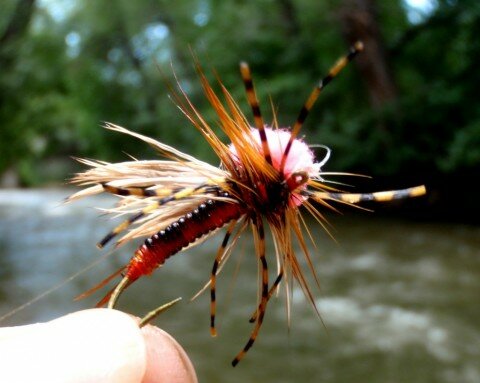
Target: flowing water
400	301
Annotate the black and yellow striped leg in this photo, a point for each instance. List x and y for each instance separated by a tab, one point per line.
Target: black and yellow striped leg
254	104
272	290
137	191
174	196
259	236
332	73
213	276
383	196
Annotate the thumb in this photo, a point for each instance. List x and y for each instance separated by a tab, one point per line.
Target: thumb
97	345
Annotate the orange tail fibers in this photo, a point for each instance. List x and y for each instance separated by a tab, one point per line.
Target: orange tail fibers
208	216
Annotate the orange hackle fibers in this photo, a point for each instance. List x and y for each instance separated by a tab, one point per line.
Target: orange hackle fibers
266	175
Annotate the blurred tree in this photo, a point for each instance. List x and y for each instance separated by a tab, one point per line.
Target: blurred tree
360	22
10	40
407	108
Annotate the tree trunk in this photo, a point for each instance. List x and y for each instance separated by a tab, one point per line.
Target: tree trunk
359	22
19	21
16	28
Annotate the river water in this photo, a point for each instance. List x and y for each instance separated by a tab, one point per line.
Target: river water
400	301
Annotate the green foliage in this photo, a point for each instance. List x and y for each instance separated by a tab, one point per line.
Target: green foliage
98	61
439	126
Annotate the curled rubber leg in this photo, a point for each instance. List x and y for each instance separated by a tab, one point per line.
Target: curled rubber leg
253	318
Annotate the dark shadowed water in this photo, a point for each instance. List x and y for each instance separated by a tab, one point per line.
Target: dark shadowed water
400	300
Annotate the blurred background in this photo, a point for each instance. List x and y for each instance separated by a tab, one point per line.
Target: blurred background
400	288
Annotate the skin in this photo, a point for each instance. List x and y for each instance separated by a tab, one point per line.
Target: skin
96	345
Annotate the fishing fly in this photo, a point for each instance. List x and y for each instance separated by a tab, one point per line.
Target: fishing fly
266	175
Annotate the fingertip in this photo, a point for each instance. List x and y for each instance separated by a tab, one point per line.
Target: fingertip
96	345
107	343
166	359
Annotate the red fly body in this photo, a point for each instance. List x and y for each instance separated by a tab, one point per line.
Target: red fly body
266	175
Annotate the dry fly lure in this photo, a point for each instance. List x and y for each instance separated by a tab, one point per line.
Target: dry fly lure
266	175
